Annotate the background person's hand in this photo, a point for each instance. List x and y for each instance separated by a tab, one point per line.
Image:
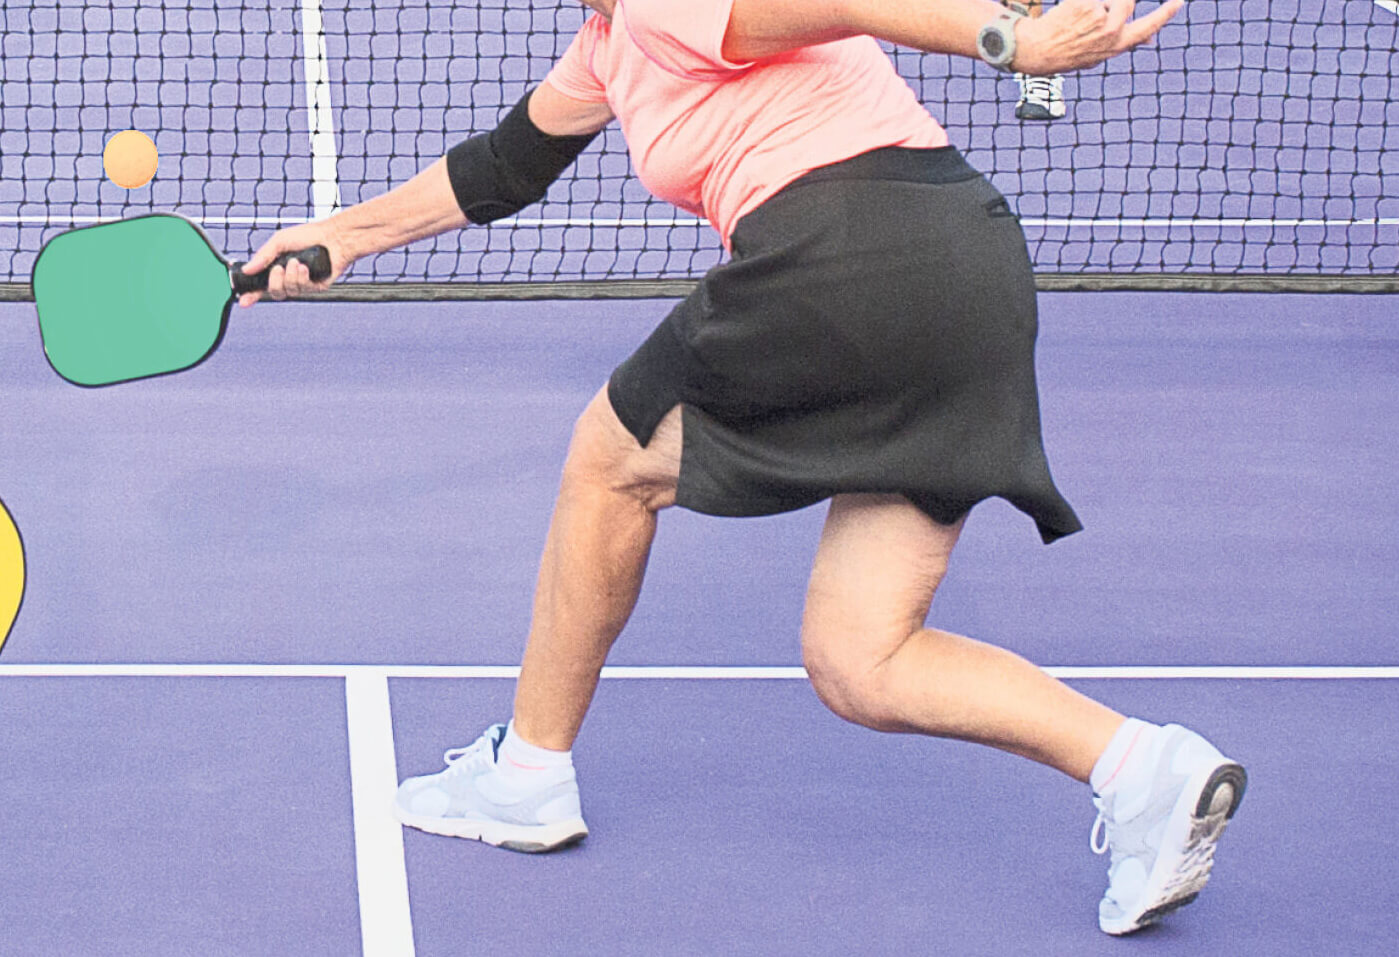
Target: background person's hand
295	279
1081	33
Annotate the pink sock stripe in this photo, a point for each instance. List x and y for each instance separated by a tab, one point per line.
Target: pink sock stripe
523	767
1123	763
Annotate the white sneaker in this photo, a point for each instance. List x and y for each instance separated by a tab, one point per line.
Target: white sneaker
1041	97
1163	842
469	800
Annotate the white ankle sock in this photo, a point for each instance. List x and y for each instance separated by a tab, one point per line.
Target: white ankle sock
524	766
1128	760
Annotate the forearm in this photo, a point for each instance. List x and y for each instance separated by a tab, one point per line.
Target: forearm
761	28
1073	35
934	26
479	180
422	207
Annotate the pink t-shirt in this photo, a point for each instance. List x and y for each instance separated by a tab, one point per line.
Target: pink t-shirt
717	138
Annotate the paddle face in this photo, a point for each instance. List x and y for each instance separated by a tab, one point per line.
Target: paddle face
130	299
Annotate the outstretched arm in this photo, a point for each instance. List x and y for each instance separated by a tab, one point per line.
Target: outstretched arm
1074	35
424	206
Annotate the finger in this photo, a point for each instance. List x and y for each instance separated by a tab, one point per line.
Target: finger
261	258
275	278
300	277
1118	13
1144	28
248	298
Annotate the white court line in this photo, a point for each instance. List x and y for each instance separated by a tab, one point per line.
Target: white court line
386	921
325	187
385	918
1087	223
277	221
209	220
1206	223
606	223
674	672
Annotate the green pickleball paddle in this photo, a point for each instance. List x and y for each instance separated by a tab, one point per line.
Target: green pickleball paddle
139	297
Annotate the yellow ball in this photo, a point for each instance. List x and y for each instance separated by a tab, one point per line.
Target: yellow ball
130	159
11	573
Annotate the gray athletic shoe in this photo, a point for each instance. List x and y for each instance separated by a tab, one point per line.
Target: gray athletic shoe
1163	849
467	800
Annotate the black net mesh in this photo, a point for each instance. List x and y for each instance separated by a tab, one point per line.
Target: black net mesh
1253	136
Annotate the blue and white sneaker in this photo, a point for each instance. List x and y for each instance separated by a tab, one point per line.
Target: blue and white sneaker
470	800
1163	842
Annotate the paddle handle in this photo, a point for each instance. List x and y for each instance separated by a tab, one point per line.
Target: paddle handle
317	260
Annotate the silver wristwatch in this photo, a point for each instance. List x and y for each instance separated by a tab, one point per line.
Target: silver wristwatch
996	42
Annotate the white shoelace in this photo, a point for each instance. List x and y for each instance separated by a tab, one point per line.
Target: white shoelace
479	753
1042	88
1099	828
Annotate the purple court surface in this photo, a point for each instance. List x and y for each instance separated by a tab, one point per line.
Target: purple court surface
261	590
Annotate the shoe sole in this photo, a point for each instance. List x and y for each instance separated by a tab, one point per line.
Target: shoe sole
1174	883
525	838
1037	114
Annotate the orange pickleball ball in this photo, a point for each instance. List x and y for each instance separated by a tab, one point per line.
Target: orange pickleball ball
130	159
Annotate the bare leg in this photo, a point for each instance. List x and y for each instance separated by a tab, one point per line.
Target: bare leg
872	661
591	572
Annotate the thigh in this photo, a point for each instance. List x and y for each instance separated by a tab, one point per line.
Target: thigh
603	451
877	568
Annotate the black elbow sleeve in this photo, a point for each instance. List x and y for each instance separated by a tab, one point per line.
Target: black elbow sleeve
499	173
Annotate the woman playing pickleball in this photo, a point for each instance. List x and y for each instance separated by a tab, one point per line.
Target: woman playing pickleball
869	341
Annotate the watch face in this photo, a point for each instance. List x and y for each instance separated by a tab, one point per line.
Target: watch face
993	43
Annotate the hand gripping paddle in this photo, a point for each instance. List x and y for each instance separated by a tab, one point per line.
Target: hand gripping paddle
140	297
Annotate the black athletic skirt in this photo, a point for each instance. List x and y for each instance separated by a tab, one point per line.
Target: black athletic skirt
874	331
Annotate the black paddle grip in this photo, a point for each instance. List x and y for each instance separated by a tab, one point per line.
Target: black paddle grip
317	259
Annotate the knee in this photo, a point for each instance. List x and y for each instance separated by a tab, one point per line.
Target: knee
850	683
596	458
604	457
